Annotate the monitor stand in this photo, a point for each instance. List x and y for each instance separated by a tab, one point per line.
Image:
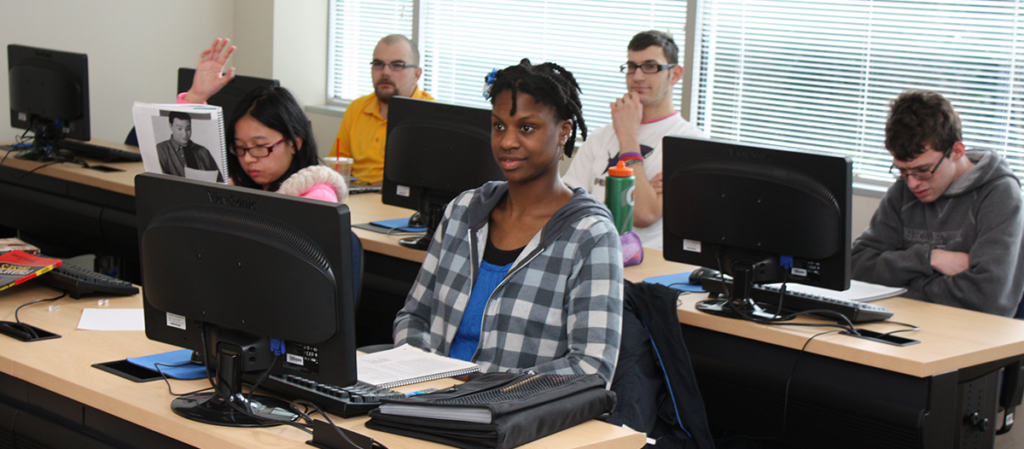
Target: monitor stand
743	310
224	406
738	303
44	145
431	214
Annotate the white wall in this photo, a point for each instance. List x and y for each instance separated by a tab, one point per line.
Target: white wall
134	49
253	34
863	208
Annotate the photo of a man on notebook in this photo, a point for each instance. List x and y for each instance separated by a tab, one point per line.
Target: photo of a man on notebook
180	156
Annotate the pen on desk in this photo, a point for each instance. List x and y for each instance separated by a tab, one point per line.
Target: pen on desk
520	383
417	393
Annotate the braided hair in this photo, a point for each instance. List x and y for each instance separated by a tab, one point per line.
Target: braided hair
547	83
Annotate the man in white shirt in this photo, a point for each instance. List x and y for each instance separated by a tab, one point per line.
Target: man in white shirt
640	119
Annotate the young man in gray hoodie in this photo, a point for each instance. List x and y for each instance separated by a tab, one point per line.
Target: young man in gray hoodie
949	229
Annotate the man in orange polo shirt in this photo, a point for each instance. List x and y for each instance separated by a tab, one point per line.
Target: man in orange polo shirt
395	70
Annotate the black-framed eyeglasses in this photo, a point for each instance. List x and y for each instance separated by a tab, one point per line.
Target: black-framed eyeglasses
918	174
256	151
647	67
395	66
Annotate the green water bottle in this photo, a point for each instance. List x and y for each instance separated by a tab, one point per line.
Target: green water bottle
618	196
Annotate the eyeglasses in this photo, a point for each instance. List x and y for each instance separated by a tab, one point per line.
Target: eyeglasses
395	66
647	67
257	151
918	174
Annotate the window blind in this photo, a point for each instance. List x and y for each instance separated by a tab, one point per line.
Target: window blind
460	41
820	75
355	28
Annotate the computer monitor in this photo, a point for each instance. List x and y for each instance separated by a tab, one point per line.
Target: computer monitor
434	152
241	275
49	93
229	96
759	213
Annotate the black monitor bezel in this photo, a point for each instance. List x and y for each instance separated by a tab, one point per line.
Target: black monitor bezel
833	172
424	173
328	224
75	66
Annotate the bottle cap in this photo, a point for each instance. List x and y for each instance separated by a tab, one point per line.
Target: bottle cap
621	170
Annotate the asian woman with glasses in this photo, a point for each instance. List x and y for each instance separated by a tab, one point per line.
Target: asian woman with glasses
274	149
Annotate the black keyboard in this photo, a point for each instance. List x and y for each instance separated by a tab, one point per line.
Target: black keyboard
78	281
768	297
98	152
363	189
345	402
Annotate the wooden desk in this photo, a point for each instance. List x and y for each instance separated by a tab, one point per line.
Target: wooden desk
838	385
848	391
62	366
68	209
913	396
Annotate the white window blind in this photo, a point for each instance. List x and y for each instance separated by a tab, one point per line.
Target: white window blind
820	74
356	26
460	41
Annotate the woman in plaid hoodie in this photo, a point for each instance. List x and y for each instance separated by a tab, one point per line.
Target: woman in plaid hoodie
524	274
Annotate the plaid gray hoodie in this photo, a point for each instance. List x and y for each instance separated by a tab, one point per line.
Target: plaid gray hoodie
559	308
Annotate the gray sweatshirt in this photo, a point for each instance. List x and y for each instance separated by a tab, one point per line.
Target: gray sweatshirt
979	214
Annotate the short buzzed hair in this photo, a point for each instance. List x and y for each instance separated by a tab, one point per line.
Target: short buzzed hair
645	39
391	39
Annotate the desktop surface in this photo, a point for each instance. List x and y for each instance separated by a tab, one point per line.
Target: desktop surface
951	337
63	366
122	182
956	345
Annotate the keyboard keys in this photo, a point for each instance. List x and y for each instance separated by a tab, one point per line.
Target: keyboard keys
346	402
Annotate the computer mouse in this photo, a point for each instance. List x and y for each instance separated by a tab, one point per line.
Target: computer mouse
416	221
702	273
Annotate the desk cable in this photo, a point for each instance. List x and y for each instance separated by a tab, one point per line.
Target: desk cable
299	406
75	160
27	330
785	397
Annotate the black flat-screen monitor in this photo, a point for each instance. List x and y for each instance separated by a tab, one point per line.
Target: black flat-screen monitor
49	94
254	280
434	152
759	213
229	96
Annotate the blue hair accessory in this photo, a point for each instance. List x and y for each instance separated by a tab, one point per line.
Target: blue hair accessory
488	82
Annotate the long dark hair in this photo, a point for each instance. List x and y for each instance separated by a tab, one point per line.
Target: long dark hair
275	108
547	83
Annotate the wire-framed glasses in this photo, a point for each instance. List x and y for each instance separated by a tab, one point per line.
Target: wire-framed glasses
918	174
647	67
256	151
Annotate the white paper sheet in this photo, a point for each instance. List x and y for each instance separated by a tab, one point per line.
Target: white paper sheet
112	320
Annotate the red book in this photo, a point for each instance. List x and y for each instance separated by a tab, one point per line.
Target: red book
17	267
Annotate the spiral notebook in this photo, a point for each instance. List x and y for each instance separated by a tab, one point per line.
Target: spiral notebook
406	365
184	140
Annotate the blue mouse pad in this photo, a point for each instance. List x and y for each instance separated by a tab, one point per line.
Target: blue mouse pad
398	224
169	362
679	281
